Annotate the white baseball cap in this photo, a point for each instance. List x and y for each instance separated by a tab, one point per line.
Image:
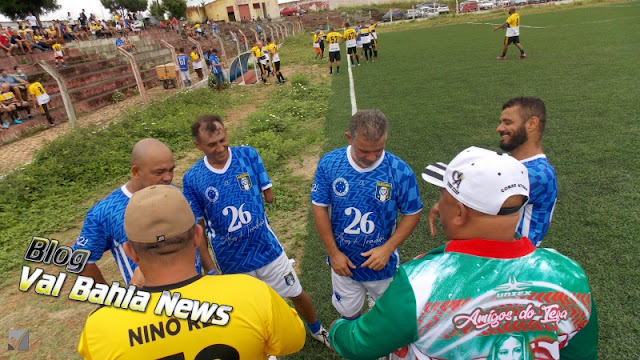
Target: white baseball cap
481	179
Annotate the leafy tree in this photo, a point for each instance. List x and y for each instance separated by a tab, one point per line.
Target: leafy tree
19	9
177	8
120	6
156	10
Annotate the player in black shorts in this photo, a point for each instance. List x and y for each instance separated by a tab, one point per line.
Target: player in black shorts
334	39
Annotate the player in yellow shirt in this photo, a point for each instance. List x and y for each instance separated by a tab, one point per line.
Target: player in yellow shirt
272	48
197	62
334	39
257	51
246	318
373	27
350	37
57	52
316	44
513	34
39	97
321	38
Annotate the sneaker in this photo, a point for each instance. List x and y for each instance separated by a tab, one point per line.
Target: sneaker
267	83
271	357
501	58
57	66
358	64
323	337
29	116
5	125
17	121
524	55
278	83
64	66
52	125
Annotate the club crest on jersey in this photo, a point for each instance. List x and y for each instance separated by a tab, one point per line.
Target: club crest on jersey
383	191
244	181
340	186
211	194
289	279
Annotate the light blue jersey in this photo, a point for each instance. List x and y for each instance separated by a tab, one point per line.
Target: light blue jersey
364	204
103	230
537	214
230	202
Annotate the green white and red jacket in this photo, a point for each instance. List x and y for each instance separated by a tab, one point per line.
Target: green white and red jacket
478	299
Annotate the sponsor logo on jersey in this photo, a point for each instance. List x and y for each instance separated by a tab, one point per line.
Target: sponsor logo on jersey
211	194
383	191
289	279
244	181
340	186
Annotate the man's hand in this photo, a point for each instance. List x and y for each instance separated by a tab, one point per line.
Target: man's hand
341	263
434	214
378	257
496	28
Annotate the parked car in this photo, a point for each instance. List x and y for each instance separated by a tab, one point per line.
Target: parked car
396	14
288	12
414	13
518	2
443	9
470	6
487	5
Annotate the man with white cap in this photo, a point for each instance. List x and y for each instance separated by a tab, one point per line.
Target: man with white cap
246	318
485	292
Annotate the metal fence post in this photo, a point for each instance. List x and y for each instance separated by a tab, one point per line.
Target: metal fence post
136	74
62	85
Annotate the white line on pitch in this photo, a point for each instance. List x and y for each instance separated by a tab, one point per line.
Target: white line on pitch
352	91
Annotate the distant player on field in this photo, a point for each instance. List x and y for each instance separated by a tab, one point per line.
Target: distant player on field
334	39
257	51
272	48
365	187
225	190
513	33
350	37
365	37
373	27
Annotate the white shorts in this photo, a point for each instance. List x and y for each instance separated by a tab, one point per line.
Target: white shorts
358	44
279	274
348	294
185	75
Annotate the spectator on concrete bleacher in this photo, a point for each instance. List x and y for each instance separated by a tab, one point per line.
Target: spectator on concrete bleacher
196	60
6	45
17	84
39	97
19	74
4	112
84	21
183	63
33	22
67	34
71	21
18	40
81	34
9	99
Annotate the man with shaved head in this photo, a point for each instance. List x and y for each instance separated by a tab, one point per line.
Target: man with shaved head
151	164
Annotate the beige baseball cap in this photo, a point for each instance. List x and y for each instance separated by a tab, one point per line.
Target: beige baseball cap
157	213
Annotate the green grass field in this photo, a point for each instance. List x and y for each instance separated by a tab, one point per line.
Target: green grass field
442	90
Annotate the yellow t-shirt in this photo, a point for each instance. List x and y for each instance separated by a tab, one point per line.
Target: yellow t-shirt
7	96
350	36
257	52
36	89
116	17
333	39
56	47
194	57
514	25
259	322
51	32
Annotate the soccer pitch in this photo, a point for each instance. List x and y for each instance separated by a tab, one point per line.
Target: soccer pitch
442	90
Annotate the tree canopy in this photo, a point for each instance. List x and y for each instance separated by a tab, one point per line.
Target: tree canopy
19	9
177	8
120	6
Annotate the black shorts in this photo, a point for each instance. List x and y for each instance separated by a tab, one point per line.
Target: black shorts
512	40
334	56
366	46
262	68
276	65
352	50
322	45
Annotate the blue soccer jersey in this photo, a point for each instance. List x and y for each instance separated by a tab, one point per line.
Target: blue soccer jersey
230	202
536	216
183	62
364	204
103	230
